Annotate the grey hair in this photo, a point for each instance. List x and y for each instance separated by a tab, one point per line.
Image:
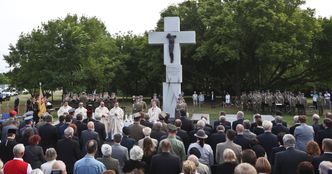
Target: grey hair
136	153
69	132
315	116
50	154
296	119
289	140
18	149
245	168
324	167
267	125
106	150
146	131
278	119
200	124
239	115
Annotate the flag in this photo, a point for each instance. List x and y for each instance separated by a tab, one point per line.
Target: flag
41	103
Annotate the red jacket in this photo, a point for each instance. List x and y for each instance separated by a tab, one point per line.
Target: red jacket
16	166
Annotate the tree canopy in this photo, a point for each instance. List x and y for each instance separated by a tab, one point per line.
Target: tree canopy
241	45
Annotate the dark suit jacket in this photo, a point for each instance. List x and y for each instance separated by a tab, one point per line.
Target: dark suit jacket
48	134
278	128
165	163
286	161
227	168
216	138
242	141
317	160
284	123
157	134
236	122
81	127
226	124
184	137
187	124
127	142
69	152
325	133
100	129
258	130
268	141
146	123
6	150
292	128
34	155
273	153
86	136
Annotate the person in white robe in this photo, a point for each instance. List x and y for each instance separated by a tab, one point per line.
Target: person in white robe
117	124
64	109
81	110
154	112
102	112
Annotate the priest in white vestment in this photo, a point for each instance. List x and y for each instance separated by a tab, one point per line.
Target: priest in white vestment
64	109
116	114
81	110
154	112
102	112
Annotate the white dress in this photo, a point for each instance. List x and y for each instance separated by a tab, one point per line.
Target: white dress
153	113
102	112
116	114
63	109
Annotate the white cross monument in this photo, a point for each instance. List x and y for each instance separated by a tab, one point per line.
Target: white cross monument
171	38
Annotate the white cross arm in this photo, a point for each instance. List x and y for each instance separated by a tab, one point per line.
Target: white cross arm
185	37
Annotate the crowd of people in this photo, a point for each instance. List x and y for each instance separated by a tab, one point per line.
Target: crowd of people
102	141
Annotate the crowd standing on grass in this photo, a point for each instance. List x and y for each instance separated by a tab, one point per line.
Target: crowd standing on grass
103	139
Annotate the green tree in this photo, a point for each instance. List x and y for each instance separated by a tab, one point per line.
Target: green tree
74	54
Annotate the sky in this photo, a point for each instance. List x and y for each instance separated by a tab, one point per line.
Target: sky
17	16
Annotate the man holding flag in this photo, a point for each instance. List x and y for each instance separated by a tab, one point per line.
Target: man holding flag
41	105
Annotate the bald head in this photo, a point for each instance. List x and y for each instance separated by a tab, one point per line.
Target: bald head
239	129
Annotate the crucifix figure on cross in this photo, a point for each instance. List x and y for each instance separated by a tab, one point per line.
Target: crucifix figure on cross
171	38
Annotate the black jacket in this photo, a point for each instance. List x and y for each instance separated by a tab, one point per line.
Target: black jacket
286	161
165	163
69	152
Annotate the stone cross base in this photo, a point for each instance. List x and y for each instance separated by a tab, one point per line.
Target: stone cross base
171	93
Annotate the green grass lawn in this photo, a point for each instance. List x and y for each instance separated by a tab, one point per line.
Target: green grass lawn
206	108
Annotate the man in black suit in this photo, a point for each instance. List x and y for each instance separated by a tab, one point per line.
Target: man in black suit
278	127
165	162
267	139
68	150
326	156
222	121
218	137
240	139
286	162
187	124
80	125
296	123
48	134
100	129
89	134
239	117
182	133
280	148
325	133
156	132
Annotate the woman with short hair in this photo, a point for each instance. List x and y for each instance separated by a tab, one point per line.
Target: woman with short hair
34	154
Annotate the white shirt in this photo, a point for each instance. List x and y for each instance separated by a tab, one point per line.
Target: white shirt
63	109
228	98
194	96
327	96
82	111
47	167
153	113
101	111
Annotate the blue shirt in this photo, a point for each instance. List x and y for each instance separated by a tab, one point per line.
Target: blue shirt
89	165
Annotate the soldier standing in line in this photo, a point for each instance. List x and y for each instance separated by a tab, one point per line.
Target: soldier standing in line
244	101
320	103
